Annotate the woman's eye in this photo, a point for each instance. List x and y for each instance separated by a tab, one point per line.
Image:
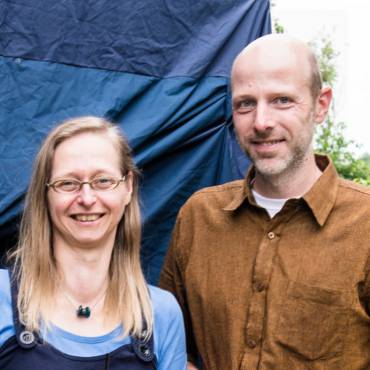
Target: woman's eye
67	185
104	182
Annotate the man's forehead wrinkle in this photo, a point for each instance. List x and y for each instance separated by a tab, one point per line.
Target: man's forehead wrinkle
279	81
275	80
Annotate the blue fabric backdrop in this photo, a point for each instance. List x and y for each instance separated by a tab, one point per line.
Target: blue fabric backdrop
159	68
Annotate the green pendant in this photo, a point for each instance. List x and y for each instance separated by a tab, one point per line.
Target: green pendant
83	312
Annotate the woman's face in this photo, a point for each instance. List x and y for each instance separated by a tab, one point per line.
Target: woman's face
87	218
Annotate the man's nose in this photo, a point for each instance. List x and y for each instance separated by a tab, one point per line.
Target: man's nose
87	195
263	119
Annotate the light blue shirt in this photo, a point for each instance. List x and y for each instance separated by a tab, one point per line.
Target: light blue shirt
168	331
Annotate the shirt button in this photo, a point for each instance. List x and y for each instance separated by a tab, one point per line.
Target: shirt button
251	343
260	287
271	235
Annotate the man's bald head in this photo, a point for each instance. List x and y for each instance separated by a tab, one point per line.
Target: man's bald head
277	48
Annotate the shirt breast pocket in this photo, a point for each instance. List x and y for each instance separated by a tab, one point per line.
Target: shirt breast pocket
312	322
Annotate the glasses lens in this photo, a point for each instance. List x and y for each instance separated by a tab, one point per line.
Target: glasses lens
104	183
66	186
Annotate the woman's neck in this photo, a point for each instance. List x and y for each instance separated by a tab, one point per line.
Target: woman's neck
83	281
83	274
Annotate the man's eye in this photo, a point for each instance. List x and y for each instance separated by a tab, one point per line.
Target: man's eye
282	100
245	105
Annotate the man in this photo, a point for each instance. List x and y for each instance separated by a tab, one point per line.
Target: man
273	272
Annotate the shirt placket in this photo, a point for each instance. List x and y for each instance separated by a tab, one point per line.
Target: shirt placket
257	306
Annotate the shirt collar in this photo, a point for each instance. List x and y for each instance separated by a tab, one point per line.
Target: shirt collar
243	193
320	198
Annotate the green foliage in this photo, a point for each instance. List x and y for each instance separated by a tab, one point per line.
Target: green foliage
326	56
330	135
278	28
366	158
331	140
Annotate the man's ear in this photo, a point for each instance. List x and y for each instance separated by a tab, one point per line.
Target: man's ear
323	104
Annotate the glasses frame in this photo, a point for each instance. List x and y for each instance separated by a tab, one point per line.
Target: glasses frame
51	185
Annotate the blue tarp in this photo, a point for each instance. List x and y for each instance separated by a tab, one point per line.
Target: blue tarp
159	68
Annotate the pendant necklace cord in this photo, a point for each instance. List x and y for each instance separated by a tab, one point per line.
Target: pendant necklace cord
82	311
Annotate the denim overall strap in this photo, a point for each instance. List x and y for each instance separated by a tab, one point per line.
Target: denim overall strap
25	338
144	349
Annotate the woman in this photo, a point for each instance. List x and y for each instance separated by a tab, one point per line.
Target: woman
79	298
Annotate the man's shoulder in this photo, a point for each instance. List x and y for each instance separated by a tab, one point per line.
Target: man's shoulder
353	200
218	196
354	190
224	190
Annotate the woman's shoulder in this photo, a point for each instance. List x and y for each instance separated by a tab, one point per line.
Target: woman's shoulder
6	314
4	286
169	334
163	302
167	314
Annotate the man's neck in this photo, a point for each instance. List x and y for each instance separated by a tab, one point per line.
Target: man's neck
290	184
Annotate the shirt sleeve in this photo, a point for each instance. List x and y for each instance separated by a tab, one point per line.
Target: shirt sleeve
169	333
364	288
6	314
172	279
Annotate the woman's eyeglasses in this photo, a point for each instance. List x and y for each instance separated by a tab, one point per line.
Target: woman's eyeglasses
74	185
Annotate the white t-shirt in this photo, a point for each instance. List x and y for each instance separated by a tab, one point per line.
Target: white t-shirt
271	205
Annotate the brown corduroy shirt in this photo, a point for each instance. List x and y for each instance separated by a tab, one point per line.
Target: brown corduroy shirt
286	293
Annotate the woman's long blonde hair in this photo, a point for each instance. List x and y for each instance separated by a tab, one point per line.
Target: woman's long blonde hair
36	274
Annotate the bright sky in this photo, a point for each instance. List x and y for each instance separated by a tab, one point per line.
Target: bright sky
347	24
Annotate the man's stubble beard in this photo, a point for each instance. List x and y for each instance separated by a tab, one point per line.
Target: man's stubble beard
294	157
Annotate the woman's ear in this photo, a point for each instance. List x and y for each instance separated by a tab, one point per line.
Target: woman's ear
128	183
